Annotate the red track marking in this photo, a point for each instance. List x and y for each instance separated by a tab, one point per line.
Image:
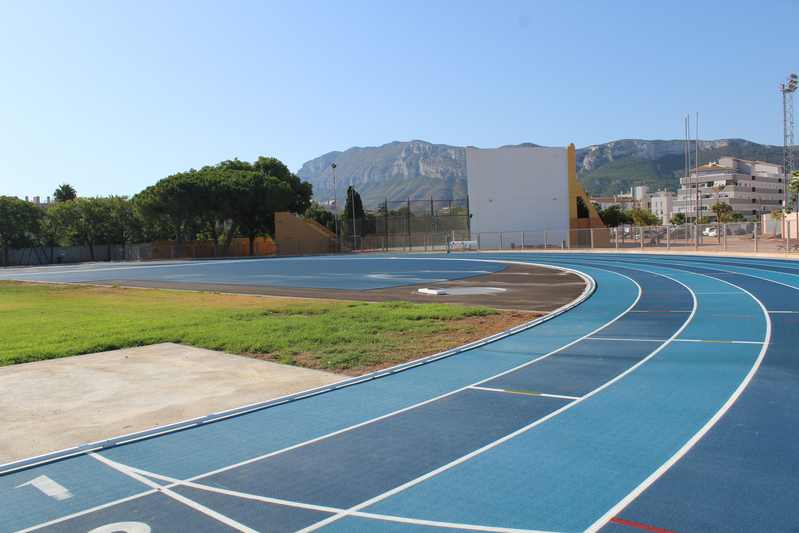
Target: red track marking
639	525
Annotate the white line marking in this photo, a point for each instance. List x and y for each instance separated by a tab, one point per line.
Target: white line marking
526	393
783	312
561	396
616	509
324	508
256	406
219	517
663	311
715	341
48	487
510	436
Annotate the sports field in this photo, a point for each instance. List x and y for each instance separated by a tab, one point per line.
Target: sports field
661	399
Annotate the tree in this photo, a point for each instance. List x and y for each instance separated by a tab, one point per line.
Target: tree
302	191
723	211
258	198
19	224
644	217
678	219
65	193
353	198
324	217
83	221
793	186
614	216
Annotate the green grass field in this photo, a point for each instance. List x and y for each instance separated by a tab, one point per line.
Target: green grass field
46	321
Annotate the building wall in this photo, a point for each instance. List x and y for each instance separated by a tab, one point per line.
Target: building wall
750	187
519	189
295	235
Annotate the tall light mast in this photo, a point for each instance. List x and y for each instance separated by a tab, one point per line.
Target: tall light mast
787	89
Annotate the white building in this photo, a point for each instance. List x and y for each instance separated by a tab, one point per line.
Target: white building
661	204
750	187
527	189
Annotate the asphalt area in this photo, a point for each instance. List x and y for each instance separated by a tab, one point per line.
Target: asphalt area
525	288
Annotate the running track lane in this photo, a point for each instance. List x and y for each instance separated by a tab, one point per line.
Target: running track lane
566	473
750	454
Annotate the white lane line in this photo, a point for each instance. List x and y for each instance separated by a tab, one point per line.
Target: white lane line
659	311
219	517
516	433
783	312
526	393
561	396
645	484
324	508
716	341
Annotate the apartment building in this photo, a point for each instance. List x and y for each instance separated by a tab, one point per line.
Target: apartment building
661	204
750	187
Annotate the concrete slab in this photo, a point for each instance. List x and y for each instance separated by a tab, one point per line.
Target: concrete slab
51	405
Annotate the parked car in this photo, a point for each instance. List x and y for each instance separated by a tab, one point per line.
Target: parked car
710	232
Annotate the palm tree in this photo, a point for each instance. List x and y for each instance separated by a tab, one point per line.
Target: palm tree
64	193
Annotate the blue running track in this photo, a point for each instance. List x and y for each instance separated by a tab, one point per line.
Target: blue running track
663	400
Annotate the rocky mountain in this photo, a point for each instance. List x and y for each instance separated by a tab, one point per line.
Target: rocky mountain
418	169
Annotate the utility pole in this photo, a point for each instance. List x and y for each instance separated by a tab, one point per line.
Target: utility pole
787	89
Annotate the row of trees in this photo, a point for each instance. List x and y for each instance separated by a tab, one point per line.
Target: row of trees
218	202
615	215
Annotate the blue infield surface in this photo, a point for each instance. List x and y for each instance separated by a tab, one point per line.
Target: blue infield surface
663	400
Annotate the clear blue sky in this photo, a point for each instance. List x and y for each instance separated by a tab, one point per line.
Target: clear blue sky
112	96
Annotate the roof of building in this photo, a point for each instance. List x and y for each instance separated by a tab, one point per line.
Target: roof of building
711	166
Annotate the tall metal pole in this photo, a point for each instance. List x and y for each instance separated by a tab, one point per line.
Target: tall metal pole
335	203
686	156
787	89
696	164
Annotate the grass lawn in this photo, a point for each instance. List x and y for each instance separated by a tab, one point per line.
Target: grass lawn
46	321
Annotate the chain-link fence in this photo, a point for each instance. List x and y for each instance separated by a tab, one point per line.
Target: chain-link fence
741	237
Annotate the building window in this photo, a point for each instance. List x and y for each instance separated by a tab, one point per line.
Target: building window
754	189
780	191
754	211
754	201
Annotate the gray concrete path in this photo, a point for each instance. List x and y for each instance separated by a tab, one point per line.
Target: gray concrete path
51	405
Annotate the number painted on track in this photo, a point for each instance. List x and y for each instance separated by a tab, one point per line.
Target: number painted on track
48	487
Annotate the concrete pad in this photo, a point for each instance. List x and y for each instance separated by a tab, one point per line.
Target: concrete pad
50	405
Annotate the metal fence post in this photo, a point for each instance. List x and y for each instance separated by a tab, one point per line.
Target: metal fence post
724	237
787	236
546	239
696	237
754	231
668	237
523	244
616	236
641	233
592	237
500	241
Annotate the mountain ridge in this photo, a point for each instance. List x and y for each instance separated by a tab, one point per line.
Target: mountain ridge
418	169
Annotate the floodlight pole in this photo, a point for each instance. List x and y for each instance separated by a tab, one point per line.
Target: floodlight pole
335	204
787	89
